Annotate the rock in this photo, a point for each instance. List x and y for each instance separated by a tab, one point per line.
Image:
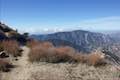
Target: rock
4	54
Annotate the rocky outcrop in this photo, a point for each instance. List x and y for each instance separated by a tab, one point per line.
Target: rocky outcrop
8	33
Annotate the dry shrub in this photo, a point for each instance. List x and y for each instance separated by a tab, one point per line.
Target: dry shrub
51	54
46	52
39	50
80	57
65	54
0	76
1	47
47	44
96	58
5	65
11	47
36	53
32	43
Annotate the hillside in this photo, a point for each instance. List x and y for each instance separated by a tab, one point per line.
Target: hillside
8	33
116	36
85	40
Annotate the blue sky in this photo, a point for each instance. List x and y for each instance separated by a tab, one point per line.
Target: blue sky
44	16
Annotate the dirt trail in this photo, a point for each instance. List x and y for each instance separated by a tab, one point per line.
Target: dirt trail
22	69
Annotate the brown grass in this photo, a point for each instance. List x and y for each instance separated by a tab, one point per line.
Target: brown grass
11	47
5	65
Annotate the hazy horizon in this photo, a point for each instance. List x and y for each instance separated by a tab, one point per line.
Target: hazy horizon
48	16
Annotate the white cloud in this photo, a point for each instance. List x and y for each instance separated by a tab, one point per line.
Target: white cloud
40	30
107	23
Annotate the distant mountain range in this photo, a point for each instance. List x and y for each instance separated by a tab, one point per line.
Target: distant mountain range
84	41
116	36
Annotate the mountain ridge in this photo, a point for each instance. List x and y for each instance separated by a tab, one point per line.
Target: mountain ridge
85	39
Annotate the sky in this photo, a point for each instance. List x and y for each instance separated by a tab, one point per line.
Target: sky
47	16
